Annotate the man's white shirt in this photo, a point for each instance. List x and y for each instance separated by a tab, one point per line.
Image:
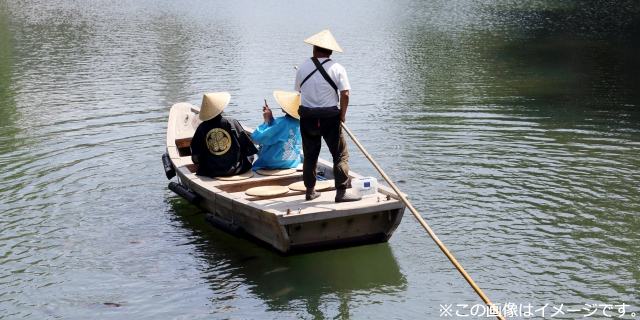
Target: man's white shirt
316	91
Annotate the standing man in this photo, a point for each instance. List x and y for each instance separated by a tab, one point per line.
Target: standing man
323	85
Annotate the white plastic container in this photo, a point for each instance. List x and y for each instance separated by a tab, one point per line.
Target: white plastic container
364	186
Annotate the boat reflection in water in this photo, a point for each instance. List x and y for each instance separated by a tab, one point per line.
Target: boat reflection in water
235	266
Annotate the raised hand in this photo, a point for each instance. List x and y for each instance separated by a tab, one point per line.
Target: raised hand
266	112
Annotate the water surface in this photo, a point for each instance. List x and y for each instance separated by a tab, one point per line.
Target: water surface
515	125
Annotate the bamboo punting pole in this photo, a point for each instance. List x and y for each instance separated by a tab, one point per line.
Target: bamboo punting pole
426	226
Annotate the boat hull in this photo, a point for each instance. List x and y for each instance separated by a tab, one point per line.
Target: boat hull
286	223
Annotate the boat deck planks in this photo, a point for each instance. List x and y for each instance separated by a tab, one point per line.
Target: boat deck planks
325	202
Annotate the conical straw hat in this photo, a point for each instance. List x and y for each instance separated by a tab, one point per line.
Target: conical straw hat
325	40
242	176
213	104
275	172
266	191
289	101
320	185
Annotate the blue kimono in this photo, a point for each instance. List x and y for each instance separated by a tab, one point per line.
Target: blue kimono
281	144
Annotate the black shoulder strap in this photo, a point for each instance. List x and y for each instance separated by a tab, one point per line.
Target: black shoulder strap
325	75
314	71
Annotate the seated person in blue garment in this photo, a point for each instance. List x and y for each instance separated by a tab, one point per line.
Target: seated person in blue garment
280	138
220	146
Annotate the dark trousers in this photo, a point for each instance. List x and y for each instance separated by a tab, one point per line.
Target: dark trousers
312	129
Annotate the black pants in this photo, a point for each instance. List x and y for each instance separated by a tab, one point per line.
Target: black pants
312	129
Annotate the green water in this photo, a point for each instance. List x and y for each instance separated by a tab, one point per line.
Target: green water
516	127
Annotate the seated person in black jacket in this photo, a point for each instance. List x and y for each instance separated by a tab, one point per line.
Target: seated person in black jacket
220	146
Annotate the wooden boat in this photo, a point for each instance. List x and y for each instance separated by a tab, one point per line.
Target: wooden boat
286	223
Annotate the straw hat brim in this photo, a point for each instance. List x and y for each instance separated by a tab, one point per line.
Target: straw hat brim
265	191
213	104
320	185
324	39
275	172
243	176
289	102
